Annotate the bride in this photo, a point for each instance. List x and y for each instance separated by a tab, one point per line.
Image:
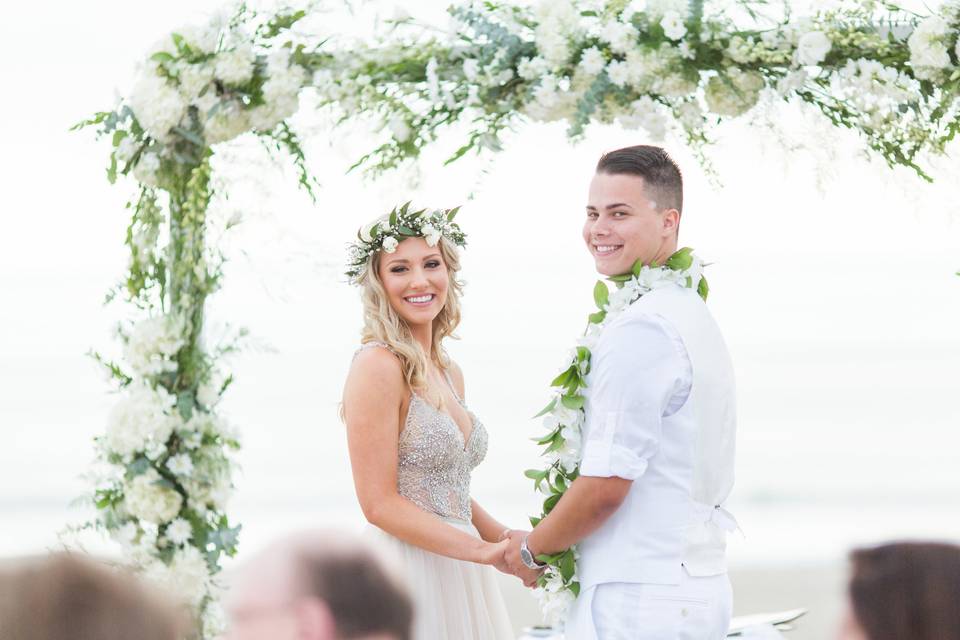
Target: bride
413	442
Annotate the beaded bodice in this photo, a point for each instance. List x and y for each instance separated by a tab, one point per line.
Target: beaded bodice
435	460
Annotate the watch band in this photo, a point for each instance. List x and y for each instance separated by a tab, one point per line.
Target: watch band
527	557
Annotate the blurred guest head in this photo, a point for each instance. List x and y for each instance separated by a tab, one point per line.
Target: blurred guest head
69	597
904	591
317	586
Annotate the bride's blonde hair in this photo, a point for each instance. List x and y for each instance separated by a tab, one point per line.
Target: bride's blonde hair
382	323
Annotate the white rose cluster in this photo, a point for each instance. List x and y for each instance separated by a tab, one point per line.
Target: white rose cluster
813	48
281	92
152	344
187	577
157	104
557	22
145	498
142	420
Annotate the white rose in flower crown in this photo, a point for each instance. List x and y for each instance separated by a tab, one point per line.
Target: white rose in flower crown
235	67
147	500
431	234
139	419
673	25
390	244
813	47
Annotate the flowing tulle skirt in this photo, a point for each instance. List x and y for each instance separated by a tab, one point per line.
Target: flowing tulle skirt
454	599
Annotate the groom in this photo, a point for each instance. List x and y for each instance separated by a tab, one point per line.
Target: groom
658	442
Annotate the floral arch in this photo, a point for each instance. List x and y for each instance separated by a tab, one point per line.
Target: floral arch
887	73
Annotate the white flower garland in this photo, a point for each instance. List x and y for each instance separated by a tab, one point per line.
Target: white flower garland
564	417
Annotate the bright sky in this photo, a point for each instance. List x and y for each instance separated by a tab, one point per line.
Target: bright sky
833	279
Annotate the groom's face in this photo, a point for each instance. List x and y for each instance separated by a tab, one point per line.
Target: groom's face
624	224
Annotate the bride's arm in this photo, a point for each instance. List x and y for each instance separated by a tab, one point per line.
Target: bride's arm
489	527
372	399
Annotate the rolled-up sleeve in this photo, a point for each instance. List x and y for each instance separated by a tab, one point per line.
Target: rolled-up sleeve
641	373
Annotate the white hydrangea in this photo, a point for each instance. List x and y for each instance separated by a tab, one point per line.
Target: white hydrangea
146	169
735	93
180	465
127	148
152	343
673	25
532	68
226	123
621	36
142	417
648	115
928	48
235	67
813	47
147	500
689	115
179	531
187	577
557	22
592	61
194	78
400	129
203	38
281	92
673	85
157	104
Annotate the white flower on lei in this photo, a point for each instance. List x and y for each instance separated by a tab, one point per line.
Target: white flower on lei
555	599
157	104
152	344
139	419
235	67
147	500
390	244
673	25
813	47
928	48
179	531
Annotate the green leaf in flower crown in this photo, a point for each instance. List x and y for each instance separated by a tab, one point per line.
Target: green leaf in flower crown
547	409
393	217
597	318
637	267
405	208
572	402
703	288
601	295
452	214
567	565
681	260
406	231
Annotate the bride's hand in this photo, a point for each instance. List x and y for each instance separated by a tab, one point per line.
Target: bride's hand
492	553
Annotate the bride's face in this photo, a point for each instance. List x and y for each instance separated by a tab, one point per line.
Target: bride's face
415	278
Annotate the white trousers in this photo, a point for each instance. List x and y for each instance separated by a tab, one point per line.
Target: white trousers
695	609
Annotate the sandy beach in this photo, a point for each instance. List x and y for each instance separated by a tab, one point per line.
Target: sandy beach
818	588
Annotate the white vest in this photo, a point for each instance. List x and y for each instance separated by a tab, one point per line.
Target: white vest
671	517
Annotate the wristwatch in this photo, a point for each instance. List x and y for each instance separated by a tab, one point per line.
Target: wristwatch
527	558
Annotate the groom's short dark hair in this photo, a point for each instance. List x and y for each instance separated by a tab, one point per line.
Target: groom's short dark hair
661	175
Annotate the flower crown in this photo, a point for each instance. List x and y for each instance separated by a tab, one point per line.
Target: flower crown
386	232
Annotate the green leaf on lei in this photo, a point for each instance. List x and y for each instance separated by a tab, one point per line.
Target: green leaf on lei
597	318
567	565
547	409
637	267
703	288
572	402
681	260
601	295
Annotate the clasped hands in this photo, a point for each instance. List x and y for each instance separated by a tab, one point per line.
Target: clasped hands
510	562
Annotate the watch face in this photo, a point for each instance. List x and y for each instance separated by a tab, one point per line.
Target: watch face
526	556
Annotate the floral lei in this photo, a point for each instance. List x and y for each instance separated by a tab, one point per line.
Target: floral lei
564	417
386	232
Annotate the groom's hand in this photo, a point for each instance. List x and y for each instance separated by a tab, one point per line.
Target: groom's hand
527	575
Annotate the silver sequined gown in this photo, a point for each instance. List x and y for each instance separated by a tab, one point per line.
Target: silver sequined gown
455	599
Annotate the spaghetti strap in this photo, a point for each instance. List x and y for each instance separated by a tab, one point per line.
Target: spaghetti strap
374	343
446	374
